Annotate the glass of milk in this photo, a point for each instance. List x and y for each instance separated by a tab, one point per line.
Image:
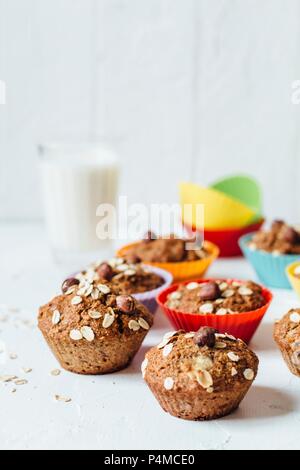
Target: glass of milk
76	179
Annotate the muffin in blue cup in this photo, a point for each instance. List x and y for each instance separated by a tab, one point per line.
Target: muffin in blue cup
271	251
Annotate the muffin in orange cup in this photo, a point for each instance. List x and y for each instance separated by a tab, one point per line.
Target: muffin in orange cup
230	306
173	255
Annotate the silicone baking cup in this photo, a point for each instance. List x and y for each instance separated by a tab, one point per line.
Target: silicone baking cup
241	325
294	280
182	270
270	269
228	239
220	210
149	298
243	188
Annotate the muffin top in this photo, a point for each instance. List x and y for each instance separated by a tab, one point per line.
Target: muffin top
217	297
280	239
130	277
164	250
88	311
287	330
213	361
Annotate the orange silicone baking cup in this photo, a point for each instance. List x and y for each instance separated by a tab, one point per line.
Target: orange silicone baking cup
241	325
182	270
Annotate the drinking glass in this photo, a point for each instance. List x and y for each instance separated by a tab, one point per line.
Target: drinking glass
76	180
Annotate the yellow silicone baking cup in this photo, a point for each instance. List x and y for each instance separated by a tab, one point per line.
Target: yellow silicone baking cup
220	210
182	270
295	281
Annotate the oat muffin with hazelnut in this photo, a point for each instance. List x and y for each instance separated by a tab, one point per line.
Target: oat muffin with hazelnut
183	258
287	336
280	239
199	376
130	277
164	250
219	297
92	328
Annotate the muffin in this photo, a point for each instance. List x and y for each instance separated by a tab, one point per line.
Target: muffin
199	376
216	297
132	277
164	250
92	328
175	255
287	336
271	252
129	277
280	239
231	306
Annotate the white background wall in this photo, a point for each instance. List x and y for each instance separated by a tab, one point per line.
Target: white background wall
185	89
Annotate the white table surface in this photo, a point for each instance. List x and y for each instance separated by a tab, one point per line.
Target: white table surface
118	411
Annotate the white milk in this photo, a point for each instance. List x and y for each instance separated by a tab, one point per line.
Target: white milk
75	181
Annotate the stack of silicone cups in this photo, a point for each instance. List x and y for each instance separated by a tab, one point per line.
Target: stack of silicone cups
232	208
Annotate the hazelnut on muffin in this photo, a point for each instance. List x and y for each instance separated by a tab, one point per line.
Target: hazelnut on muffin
217	297
130	277
199	376
287	336
92	328
280	239
164	250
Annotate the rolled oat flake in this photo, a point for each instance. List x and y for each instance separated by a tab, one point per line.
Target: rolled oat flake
248	374
167	349
87	333
133	325
295	317
75	335
168	383
108	320
206	308
55	317
76	300
143	323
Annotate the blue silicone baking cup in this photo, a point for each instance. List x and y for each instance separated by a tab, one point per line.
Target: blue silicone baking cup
270	269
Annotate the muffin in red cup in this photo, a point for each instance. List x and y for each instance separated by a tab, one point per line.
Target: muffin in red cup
228	305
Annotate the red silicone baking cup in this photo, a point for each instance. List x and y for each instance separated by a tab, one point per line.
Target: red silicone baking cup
227	239
241	325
